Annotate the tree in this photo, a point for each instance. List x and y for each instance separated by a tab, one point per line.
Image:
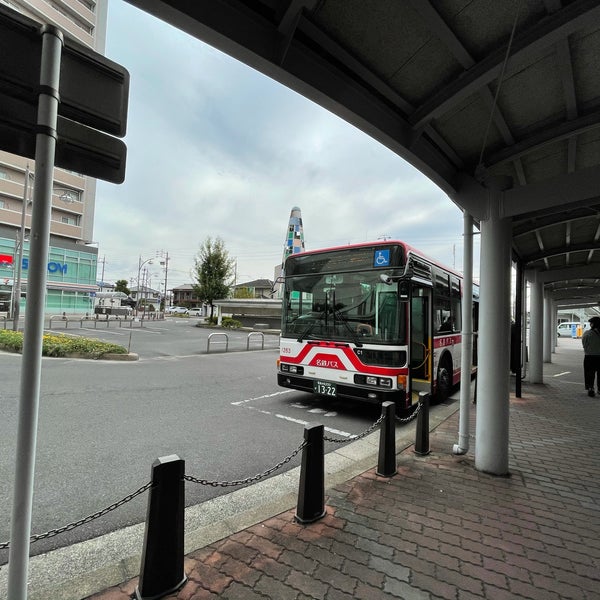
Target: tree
121	286
213	272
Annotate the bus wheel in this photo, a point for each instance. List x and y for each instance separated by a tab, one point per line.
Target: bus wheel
444	382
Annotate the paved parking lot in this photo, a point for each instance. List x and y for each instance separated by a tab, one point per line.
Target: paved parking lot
173	336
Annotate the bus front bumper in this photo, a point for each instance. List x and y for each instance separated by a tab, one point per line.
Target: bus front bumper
364	394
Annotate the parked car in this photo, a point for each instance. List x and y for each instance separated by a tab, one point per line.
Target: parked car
564	329
196	311
180	310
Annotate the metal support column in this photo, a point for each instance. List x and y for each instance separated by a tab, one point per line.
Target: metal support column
536	334
520	329
491	439
466	359
547	329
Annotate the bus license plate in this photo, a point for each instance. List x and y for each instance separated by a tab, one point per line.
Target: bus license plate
325	388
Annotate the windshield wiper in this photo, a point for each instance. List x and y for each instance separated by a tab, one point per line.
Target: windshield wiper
339	316
309	329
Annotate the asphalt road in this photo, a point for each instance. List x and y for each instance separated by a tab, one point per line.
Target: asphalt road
103	423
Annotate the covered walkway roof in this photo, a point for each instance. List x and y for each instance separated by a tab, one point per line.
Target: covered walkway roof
476	94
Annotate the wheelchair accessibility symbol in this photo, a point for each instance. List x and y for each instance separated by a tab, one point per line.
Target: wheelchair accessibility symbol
381	258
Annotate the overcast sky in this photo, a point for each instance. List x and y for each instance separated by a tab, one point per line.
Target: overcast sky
216	149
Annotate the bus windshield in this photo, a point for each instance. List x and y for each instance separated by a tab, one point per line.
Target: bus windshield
356	307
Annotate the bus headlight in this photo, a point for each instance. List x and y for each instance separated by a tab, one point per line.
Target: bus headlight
285	368
384	382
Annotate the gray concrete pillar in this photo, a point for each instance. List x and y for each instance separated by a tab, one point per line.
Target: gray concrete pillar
554	320
491	439
536	334
547	328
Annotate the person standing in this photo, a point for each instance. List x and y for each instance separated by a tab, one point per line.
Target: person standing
591	361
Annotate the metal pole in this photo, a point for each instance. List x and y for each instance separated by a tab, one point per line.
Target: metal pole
137	297
519	329
18	566
466	358
166	272
16	307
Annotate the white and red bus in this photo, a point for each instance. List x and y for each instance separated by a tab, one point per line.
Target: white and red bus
373	322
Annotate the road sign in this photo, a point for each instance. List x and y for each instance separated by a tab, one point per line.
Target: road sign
94	94
78	148
94	90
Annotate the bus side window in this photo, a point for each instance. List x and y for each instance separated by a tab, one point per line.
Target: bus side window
442	316
456	303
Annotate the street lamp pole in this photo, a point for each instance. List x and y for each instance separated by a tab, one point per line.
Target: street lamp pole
16	307
140	265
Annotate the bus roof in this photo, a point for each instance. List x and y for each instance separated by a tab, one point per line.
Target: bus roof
377	243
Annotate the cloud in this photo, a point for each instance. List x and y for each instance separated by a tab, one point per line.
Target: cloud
215	148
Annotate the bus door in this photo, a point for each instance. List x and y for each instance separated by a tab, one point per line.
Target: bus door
421	342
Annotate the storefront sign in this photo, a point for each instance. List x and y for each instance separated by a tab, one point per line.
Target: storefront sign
53	267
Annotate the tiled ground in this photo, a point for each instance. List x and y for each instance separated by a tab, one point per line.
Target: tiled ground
438	529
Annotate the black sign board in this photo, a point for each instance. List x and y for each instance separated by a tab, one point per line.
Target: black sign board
94	94
78	148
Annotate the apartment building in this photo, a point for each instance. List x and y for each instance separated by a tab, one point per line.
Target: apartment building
72	263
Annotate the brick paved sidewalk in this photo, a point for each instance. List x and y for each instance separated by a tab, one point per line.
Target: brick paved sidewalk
438	529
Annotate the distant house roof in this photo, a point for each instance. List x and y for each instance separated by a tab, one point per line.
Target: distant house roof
257	283
184	287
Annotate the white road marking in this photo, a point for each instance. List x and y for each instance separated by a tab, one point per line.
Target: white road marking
561	374
239	403
328	429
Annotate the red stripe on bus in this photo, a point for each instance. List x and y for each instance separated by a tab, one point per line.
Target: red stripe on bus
348	353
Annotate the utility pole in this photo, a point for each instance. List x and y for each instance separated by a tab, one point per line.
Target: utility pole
102	276
164	262
16	307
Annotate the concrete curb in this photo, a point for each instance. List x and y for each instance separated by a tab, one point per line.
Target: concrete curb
80	570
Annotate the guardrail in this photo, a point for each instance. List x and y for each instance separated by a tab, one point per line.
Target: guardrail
254	334
214	335
95	319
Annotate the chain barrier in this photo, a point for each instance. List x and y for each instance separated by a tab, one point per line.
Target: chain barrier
353	438
85	520
249	479
413	415
358	436
258	477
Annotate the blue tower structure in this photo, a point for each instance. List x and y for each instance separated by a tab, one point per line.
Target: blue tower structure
294	241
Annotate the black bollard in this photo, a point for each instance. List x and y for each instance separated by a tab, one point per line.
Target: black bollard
422	441
161	570
311	493
386	465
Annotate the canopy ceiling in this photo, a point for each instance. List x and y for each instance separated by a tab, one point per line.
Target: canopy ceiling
476	94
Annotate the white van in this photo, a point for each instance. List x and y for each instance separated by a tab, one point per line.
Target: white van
565	329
